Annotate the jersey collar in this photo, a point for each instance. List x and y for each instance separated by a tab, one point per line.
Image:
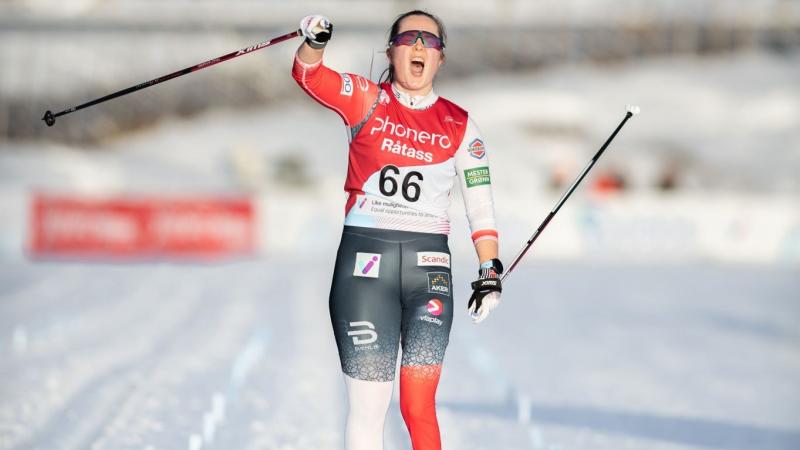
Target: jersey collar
415	101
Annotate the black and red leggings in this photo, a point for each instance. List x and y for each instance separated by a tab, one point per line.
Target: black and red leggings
391	289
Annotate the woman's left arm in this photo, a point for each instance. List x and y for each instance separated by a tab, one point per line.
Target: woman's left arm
472	166
486	250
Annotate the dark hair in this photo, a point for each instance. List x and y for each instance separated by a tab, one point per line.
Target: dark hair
389	72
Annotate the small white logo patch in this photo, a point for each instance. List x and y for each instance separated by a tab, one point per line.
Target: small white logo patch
372	336
347	85
367	265
433	259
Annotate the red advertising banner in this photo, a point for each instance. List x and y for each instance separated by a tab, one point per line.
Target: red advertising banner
72	225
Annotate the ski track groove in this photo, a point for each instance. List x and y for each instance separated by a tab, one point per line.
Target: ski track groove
122	382
230	323
123	375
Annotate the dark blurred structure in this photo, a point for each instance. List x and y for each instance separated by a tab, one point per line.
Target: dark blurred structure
58	54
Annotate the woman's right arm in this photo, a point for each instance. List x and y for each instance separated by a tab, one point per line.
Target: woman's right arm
309	55
351	96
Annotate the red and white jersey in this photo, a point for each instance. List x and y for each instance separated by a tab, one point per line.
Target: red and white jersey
405	154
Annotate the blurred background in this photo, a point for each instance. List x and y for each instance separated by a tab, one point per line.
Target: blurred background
156	250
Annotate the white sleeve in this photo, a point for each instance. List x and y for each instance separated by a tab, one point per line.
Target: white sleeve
472	166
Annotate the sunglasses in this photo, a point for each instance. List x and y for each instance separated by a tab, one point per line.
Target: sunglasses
429	40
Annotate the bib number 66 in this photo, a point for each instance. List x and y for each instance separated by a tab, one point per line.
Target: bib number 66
388	185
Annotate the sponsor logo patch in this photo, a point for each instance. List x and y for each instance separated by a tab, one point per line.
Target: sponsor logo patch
439	283
367	265
362	83
369	334
450	119
477	176
391	146
430	319
476	149
433	259
347	85
435	307
400	136
386	126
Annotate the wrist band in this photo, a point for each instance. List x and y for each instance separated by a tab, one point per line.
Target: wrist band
316	45
494	264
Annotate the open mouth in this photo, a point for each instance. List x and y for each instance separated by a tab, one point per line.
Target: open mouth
417	66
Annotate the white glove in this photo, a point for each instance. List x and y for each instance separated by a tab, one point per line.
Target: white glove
485	291
317	30
490	302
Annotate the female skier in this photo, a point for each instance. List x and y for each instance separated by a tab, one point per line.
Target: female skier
391	283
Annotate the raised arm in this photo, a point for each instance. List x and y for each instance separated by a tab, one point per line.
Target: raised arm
351	96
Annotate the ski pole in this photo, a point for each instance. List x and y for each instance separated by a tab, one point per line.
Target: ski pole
630	112
50	118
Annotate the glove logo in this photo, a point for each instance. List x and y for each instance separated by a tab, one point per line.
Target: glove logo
367	265
435	307
439	283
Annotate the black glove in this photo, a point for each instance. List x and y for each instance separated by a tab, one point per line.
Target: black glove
487	283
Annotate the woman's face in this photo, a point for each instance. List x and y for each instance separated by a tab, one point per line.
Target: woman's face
415	66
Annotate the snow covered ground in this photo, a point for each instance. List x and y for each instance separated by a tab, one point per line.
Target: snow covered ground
579	357
664	325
